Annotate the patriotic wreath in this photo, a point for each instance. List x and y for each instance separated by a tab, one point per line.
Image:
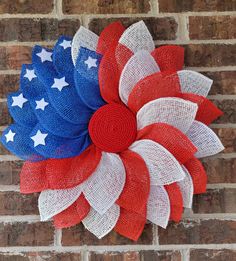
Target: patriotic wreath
112	130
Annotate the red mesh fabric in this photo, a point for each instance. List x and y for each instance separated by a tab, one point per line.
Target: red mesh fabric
110	35
176	201
169	57
73	214
137	185
122	54
153	87
198	175
33	177
130	224
171	138
207	111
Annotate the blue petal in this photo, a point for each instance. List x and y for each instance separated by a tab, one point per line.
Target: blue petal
86	78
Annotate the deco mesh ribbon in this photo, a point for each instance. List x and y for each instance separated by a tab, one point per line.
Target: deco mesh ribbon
111	130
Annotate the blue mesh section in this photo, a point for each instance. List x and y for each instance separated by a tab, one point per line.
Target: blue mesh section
86	78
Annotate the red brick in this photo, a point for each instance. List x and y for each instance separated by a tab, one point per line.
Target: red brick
212	254
26	234
106	6
229	109
9	172
26	6
15	203
8	83
26	29
78	235
215	201
212	27
228	138
196	5
5	117
210	231
161	28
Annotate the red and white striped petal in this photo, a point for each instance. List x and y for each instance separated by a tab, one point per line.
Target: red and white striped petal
101	225
164	169
158	206
186	187
173	111
139	66
84	38
52	202
137	37
194	82
105	185
204	139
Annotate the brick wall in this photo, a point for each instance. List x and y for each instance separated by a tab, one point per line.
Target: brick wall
207	29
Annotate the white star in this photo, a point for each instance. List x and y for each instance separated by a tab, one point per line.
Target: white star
45	55
30	75
41	104
39	138
91	62
59	83
65	44
19	101
10	136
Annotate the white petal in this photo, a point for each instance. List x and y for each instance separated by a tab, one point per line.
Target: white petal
52	202
186	187
173	111
158	206
163	167
104	186
194	82
140	65
137	37
101	225
204	139
84	38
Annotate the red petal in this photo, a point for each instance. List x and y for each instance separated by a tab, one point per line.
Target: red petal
171	138
176	201
207	111
123	54
110	35
137	185
169	57
198	175
153	87
130	224
73	214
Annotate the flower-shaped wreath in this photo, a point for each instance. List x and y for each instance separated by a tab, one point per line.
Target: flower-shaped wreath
111	130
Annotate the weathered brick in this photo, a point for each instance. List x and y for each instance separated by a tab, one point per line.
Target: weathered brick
220	170
9	172
196	5
5	117
228	138
148	255
26	234
215	201
229	109
208	55
26	6
106	6
212	254
212	27
210	231
78	235
8	83
161	28
3	150
25	29
14	203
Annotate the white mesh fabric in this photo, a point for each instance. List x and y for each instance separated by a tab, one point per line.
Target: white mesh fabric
83	38
137	37
204	139
186	187
158	206
194	82
140	65
163	167
52	202
101	225
173	111
104	186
